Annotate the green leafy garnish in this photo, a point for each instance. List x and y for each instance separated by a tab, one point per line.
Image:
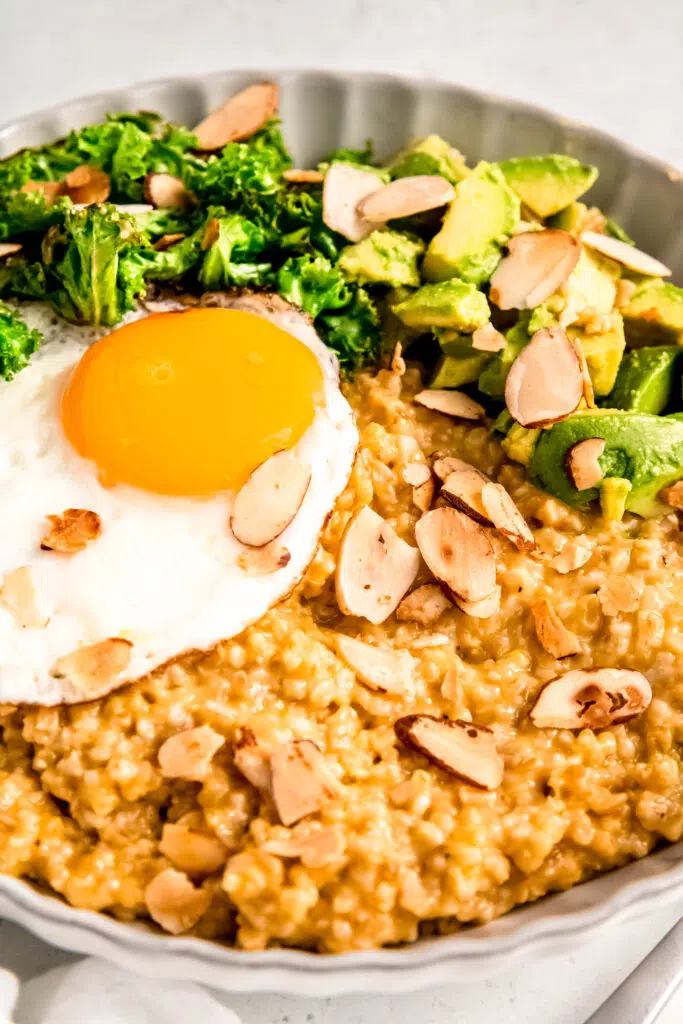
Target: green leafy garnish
17	342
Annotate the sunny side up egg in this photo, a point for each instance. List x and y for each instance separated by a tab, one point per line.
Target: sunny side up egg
155	428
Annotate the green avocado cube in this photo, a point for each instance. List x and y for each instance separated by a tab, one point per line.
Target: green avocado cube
603	354
593	282
646	377
493	377
479	220
454	371
614	492
432	155
519	443
654	314
547	184
384	257
452	303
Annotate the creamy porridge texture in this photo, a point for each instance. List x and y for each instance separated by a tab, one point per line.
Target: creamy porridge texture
259	794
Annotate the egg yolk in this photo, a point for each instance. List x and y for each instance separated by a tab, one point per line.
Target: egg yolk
190	403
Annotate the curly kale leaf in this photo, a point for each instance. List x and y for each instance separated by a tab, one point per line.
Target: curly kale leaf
17	342
26	212
353	332
245	174
313	284
229	259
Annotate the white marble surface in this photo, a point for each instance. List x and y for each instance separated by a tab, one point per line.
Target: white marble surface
614	63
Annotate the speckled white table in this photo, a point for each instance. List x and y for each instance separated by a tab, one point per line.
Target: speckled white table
615	63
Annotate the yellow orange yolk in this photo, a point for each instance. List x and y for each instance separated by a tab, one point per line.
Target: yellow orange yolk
190	403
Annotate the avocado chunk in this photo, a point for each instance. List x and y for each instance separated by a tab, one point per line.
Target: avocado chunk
546	184
646	379
603	354
432	155
384	257
519	443
654	315
452	303
592	283
454	371
570	218
614	492
493	377
480	218
643	449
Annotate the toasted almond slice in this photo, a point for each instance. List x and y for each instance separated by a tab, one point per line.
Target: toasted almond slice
506	517
297	176
9	248
93	671
269	500
423	495
87	185
582	463
458	552
343	190
165	191
375	568
588	392
263	561
483	609
627	255
380	668
398	363
189	753
545	382
450	403
167	241
135	209
462	489
488	339
406	197
300	779
620	594
174	903
538	262
460	748
316	847
50	190
252	761
425	605
672	495
211	233
552	633
72	531
417	473
18	595
239	117
444	465
191	851
591	699
572	556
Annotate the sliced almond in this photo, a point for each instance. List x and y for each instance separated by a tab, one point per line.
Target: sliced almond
458	552
316	847
444	465
380	668
572	556
269	500
582	463
135	209
406	197
191	851
483	609
167	241
538	262
588	392
189	753
591	699
300	780
87	185
375	568
72	531
296	176
239	117
252	761
398	363
343	190
545	383
9	249
620	595
423	495
462	489
425	605
50	190
165	191
417	473
93	671
630	257
552	634
672	495
506	517
174	903
450	403
460	748
488	339
18	595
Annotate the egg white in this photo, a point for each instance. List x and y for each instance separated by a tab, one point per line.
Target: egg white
165	572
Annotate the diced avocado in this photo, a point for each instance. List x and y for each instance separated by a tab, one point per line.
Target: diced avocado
570	218
454	371
654	316
454	343
614	492
645	450
451	303
646	378
502	423
494	375
432	155
480	218
546	184
384	257
541	317
615	230
603	353
593	282
519	443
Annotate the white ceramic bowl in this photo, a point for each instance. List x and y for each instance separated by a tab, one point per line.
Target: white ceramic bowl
321	111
